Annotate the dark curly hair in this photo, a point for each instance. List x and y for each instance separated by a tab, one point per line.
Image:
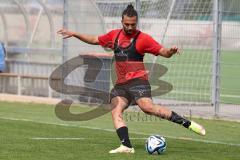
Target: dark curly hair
130	11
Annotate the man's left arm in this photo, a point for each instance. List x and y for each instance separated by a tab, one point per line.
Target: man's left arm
169	52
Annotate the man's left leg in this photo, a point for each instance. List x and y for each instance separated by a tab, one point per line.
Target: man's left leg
148	107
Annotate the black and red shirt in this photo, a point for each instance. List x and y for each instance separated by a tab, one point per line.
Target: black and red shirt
129	51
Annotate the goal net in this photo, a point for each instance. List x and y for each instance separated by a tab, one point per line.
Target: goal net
184	23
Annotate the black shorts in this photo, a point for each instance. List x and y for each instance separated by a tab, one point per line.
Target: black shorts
132	90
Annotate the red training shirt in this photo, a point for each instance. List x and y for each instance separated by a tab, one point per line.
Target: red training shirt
144	44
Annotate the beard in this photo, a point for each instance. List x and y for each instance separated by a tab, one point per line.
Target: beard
129	32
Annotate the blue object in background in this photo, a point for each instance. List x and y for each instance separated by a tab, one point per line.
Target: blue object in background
2	57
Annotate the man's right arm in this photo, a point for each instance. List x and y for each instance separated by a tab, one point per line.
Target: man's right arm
90	39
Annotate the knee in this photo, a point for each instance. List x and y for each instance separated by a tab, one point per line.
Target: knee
116	110
148	109
146	106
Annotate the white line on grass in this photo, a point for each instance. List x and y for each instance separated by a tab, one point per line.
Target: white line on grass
70	138
57	138
112	130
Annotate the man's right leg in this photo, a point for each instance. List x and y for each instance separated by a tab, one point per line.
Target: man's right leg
118	105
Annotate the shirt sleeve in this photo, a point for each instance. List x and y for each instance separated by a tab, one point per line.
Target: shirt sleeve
106	40
148	45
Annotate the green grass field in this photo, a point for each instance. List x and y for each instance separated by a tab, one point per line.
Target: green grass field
191	75
30	131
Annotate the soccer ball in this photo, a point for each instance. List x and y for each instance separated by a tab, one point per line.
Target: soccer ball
155	144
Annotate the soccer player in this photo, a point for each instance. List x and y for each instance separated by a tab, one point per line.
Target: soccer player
132	87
